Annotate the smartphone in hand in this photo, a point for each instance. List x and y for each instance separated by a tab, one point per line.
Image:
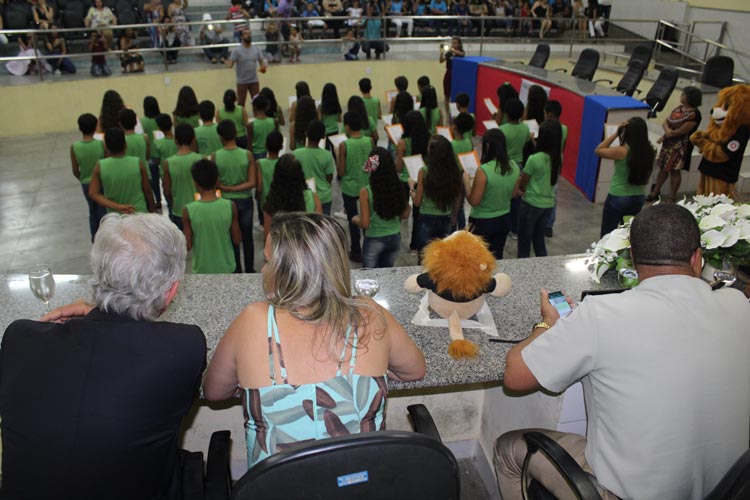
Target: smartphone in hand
558	300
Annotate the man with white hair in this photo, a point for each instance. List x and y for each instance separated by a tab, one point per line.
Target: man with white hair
92	403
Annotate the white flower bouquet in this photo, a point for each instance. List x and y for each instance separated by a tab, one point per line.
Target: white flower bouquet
725	236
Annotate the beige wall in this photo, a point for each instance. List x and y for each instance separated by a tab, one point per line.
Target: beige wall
55	106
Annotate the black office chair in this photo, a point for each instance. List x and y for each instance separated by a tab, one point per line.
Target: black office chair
718	71
578	480
126	14
586	65
642	54
661	90
628	84
17	17
735	485
541	56
72	17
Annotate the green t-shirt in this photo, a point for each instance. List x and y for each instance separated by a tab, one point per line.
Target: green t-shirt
371	127
516	137
136	146
539	191
332	123
183	189
309	201
87	153
149	127
122	182
317	163
498	191
193	121
564	136
211	222
261	128
163	148
207	139
619	185
372	105
267	166
434	119
236	117
404	175
232	165
380	227
355	178
462	145
428	206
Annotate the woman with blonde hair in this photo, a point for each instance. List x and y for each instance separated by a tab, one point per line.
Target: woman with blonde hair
329	352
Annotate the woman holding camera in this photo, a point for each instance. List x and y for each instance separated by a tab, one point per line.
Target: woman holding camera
447	53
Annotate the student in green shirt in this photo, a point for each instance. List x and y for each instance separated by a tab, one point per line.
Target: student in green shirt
266	166
462	104
329	111
491	192
186	110
148	120
317	163
357	105
83	157
206	136
260	127
162	149
540	173
137	144
371	103
237	175
516	134
461	126
210	224
237	114
120	183
289	192
634	160
350	160
380	212
428	106
553	111
178	182
414	142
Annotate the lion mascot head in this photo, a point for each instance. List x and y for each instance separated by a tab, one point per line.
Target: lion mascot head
732	110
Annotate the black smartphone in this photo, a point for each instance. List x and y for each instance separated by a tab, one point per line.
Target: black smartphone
558	300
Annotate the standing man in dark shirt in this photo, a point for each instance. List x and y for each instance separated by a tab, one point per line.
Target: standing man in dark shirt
91	406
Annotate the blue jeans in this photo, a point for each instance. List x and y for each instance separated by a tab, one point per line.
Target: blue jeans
177	221
532	221
217	52
64	64
381	251
245	218
553	215
100	69
494	231
616	207
96	212
153	166
515	203
430	227
351	207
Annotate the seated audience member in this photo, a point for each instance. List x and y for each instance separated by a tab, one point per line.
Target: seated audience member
326	337
98	47
119	381
211	34
131	59
56	46
664	370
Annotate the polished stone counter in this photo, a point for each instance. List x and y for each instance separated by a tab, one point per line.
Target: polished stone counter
213	301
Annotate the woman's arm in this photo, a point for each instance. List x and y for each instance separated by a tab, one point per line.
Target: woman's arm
364	209
405	360
318	204
187	228
416	195
521	184
234	229
220	381
607	151
400	152
341	161
477	189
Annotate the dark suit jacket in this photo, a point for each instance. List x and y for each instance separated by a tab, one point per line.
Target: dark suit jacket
91	409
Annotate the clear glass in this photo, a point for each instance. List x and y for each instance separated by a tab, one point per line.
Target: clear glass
627	277
727	273
367	287
42	283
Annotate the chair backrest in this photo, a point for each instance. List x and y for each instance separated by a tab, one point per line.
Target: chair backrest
72	16
17	18
662	88
373	465
642	54
718	71
735	485
632	77
126	14
586	65
541	56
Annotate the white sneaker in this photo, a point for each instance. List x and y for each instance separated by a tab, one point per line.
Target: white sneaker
340	215
58	72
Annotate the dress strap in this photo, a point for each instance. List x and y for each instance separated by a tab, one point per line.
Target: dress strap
343	351
273	327
353	359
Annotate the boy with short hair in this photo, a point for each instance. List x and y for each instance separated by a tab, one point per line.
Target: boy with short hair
372	104
210	224
162	149
461	126
83	157
402	85
137	144
553	111
352	156
205	135
462	104
260	127
516	132
178	181
123	179
317	163
422	82
266	167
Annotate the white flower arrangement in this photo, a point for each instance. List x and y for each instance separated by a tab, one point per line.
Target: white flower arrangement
725	235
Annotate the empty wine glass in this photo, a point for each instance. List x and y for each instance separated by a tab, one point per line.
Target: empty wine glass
367	287
42	283
726	273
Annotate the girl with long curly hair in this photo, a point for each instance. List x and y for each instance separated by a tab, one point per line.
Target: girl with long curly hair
289	192
186	110
109	116
428	106
304	113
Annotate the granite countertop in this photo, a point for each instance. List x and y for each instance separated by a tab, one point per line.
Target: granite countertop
213	301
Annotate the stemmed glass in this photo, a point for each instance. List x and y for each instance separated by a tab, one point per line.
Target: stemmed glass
367	287
727	273
42	283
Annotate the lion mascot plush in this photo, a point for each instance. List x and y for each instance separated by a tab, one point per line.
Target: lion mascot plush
723	142
458	272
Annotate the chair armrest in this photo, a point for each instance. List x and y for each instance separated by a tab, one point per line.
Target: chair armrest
604	80
638	91
218	478
193	484
564	70
578	480
422	421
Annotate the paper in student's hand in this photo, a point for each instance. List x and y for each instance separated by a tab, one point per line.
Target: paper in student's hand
453	109
490	124
292	100
390	94
394	132
445	132
311	184
490	105
100	137
533	127
417	104
388	119
336	140
612	129
322	143
470	163
158	134
413	164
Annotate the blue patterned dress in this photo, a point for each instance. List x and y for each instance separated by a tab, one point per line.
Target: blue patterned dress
282	415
